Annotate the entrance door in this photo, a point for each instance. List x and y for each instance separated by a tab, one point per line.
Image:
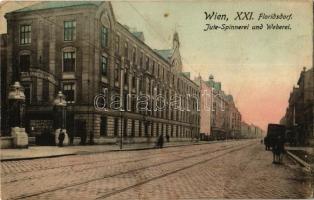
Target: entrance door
80	128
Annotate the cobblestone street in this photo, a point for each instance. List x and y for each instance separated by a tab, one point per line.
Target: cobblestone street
235	169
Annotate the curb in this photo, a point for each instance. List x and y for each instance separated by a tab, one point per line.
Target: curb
88	153
38	157
301	162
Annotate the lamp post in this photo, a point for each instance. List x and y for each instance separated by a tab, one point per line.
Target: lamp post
121	100
17	106
60	106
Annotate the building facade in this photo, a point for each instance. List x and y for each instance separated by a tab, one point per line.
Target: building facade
4	97
80	49
223	121
299	117
251	131
206	101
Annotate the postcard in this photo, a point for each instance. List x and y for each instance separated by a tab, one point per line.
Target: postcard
159	99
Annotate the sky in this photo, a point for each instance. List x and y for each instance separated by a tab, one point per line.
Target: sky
259	68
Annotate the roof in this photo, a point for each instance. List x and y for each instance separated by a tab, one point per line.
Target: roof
139	35
57	4
165	53
186	74
213	84
229	97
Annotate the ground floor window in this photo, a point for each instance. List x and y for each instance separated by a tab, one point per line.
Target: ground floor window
157	129
103	126
152	129
125	127
116	126
45	88
69	92
171	130
146	129
133	128
140	129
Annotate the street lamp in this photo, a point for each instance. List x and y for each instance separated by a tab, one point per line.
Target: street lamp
17	106
60	106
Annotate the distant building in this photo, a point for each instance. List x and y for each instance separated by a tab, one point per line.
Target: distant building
251	131
233	117
205	108
224	120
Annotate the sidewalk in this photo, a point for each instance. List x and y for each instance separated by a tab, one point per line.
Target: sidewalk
303	155
35	152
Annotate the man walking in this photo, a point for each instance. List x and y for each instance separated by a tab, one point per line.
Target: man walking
61	138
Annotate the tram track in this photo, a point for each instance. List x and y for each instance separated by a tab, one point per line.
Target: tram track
85	163
147	158
227	150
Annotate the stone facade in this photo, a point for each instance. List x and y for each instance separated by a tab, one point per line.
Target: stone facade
4	92
224	119
80	48
205	108
299	117
250	131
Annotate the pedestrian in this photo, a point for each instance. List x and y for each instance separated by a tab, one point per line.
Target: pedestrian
61	138
160	141
167	137
266	142
157	143
71	138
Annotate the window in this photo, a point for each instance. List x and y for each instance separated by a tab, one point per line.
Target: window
125	127
116	126
140	129
134	55
104	63
45	93
116	72
126	78
103	102
69	61
103	126
149	87
69	92
69	30
25	63
117	43
141	59
25	34
133	128
147	63
126	50
133	82
152	129
153	70
104	36
146	128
